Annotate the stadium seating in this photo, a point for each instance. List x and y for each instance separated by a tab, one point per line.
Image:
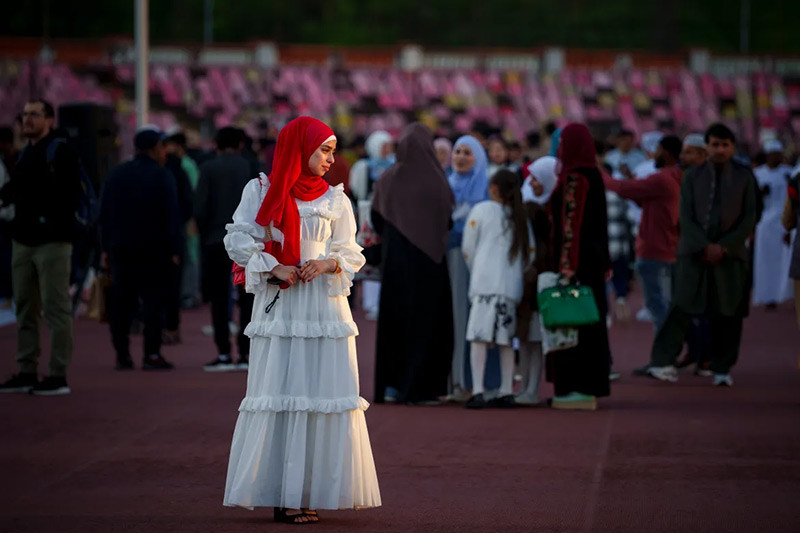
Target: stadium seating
362	99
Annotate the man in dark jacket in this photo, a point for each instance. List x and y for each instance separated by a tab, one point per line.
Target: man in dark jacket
718	211
44	188
219	192
140	234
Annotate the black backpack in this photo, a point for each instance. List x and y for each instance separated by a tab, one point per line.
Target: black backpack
88	210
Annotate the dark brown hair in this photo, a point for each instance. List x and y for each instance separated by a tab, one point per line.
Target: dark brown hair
47	107
508	186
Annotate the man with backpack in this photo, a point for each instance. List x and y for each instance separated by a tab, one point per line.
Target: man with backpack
45	189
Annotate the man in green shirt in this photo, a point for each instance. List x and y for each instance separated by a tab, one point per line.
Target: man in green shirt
717	215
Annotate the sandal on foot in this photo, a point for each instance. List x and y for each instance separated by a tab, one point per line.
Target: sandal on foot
282	516
312	515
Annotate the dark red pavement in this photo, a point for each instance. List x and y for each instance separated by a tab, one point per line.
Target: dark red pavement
147	452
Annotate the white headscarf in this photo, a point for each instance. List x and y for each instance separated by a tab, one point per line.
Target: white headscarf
544	171
375	142
376	164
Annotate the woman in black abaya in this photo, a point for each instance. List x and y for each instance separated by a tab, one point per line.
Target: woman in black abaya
580	252
411	211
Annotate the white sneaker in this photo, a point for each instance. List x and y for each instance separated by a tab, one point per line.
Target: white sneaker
723	380
220	364
663	373
703	372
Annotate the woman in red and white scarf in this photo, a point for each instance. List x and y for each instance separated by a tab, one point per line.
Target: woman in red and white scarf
301	440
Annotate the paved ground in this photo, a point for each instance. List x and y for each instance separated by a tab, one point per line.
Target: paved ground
147	452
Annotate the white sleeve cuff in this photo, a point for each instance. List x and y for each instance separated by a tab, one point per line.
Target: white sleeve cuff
339	284
257	271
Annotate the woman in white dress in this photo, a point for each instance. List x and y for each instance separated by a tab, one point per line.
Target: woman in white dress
301	441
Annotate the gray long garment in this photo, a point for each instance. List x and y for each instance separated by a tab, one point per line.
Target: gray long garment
715	209
459	283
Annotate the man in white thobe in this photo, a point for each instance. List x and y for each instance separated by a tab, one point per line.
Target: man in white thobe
771	284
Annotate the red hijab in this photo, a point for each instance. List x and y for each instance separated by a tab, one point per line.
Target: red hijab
575	150
291	179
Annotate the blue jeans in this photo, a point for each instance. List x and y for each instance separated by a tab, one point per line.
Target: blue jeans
621	277
656	277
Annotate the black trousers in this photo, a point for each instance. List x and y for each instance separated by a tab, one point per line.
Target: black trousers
218	289
5	260
136	274
698	342
725	334
172	320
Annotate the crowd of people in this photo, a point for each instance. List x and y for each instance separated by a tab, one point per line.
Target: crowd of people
687	218
697	225
157	224
471	244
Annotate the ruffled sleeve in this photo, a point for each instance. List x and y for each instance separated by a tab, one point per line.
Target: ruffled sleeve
245	239
344	248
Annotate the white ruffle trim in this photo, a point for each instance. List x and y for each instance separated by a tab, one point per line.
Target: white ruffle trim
259	233
259	264
250	229
335	203
339	284
301	403
302	328
331	208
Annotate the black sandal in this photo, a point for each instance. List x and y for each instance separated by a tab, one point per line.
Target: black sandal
281	515
312	515
476	402
503	402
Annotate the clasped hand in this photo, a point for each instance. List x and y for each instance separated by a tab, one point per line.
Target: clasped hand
713	254
306	272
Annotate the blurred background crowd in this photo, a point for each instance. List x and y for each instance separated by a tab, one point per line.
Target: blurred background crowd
224	79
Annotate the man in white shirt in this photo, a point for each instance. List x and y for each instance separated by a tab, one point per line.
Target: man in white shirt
625	156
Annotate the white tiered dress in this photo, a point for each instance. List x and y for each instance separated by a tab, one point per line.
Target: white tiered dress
301	437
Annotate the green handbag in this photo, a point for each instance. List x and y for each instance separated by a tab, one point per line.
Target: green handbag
567	306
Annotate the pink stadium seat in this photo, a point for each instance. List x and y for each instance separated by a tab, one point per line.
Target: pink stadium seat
241	93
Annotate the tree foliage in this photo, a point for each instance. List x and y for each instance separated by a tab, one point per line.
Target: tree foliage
667	25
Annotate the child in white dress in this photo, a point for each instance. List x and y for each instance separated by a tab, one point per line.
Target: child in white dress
301	441
497	247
